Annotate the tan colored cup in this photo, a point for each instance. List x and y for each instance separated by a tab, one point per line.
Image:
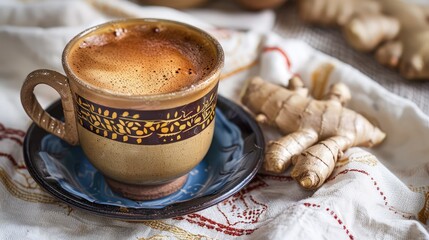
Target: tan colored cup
144	145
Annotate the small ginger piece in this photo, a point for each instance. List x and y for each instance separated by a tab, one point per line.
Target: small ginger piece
335	12
414	37
389	53
366	31
317	131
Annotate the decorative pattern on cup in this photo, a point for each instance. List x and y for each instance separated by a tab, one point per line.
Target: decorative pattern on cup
147	127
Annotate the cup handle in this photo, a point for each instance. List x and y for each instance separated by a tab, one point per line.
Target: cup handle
65	130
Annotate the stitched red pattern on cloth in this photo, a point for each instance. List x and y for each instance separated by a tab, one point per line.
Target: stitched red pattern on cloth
16	136
240	209
210	224
282	52
11	131
376	186
11	134
334	215
12	160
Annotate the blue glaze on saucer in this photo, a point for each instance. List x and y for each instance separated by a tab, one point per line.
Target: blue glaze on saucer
69	167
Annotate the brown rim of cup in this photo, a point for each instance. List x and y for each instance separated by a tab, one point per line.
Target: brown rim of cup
207	80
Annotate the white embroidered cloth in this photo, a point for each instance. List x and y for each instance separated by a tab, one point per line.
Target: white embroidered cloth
372	194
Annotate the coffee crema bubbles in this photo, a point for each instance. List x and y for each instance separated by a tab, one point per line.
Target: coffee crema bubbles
142	60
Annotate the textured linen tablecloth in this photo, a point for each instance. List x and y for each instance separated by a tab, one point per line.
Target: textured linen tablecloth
372	194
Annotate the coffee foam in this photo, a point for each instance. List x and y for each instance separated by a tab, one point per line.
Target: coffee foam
142	60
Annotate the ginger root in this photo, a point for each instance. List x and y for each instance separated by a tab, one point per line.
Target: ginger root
367	31
398	31
307	121
389	54
335	12
414	38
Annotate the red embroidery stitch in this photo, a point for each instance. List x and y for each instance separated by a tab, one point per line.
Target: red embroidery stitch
282	52
404	214
334	215
11	131
210	224
239	207
16	136
12	134
17	140
242	207
12	160
377	188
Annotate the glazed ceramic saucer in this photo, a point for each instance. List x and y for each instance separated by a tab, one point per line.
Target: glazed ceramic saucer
234	158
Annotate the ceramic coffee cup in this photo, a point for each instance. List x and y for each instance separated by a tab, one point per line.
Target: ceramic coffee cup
143	142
